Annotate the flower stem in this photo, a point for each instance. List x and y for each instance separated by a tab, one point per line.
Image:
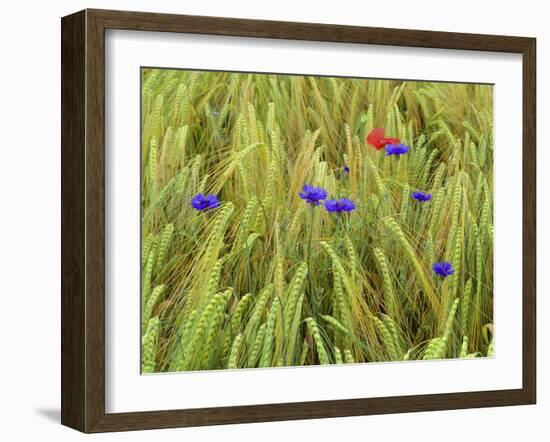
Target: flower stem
341	230
314	300
309	241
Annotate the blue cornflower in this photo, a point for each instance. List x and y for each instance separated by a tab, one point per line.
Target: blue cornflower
313	195
396	149
346	169
443	269
201	202
339	206
422	196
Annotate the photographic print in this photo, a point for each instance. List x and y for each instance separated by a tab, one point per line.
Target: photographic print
291	220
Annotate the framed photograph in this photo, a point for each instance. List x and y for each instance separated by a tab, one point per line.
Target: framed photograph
267	220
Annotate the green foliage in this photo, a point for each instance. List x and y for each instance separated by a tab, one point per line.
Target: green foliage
265	280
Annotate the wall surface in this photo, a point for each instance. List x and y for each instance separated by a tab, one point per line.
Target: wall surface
30	218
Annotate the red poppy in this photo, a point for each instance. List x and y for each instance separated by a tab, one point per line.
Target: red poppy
377	140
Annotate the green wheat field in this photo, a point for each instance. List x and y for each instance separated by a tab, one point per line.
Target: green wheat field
386	255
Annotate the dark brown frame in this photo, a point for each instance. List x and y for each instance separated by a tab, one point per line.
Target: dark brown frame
83	215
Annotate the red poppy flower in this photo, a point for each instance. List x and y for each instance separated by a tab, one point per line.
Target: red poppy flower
377	140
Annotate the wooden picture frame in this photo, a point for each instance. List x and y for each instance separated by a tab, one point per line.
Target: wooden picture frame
83	219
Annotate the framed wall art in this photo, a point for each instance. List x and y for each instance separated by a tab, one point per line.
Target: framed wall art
267	220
